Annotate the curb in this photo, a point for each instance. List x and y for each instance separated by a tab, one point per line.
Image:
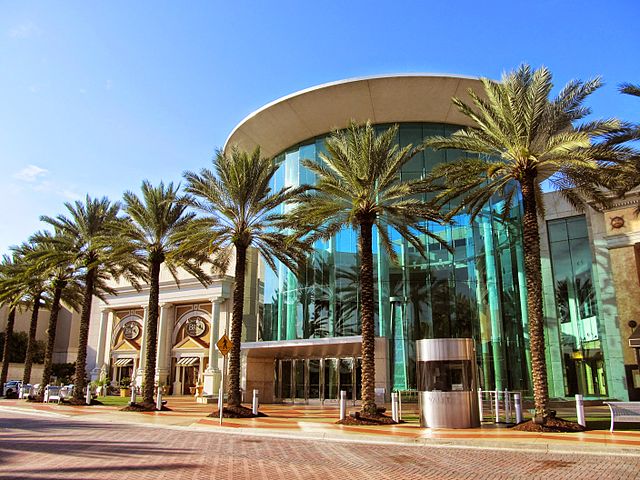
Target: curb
538	445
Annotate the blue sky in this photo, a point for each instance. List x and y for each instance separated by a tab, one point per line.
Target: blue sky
95	97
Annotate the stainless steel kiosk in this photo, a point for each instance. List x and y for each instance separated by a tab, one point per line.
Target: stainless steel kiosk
447	389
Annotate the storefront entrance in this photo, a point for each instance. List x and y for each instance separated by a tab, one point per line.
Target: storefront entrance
317	380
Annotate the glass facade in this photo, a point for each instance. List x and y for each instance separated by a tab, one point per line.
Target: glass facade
577	308
476	291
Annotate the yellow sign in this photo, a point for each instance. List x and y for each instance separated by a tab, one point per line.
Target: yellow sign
224	345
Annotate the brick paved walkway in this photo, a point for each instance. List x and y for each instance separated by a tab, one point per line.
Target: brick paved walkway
55	448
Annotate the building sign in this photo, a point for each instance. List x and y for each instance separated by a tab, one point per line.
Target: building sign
195	326
131	330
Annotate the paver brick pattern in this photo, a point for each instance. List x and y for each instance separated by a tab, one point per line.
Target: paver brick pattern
54	448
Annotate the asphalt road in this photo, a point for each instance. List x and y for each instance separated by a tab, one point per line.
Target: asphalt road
38	446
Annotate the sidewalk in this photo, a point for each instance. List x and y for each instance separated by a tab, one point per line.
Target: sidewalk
318	422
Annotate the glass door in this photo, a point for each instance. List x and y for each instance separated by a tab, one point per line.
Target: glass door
331	391
346	377
314	380
285	381
300	379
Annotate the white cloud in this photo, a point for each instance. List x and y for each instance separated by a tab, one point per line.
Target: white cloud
24	30
30	173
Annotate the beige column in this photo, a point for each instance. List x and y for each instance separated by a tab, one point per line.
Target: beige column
165	327
103	343
143	346
212	375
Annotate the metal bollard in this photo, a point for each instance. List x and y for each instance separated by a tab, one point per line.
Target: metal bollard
497	403
580	410
394	406
88	396
343	404
480	406
132	400
518	401
159	399
254	405
399	405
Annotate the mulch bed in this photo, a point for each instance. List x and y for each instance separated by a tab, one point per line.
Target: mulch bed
552	424
143	407
230	411
367	419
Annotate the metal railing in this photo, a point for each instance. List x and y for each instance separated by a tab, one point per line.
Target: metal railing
500	406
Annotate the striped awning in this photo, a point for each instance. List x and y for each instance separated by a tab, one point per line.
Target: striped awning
124	362
187	361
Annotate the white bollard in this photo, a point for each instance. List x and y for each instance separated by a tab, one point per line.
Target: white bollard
394	406
580	410
518	401
343	404
399	405
88	397
132	400
254	404
159	399
497	403
480	406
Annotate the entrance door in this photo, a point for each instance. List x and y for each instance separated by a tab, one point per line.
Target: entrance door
286	371
346	377
188	379
300	381
314	380
331	380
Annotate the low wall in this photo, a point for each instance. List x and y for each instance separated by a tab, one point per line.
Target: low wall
17	369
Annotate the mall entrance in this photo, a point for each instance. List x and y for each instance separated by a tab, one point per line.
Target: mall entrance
317	380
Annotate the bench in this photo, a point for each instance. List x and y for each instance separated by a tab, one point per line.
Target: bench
52	394
624	412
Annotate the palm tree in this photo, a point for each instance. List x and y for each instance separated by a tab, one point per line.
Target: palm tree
237	207
63	285
101	256
520	138
629	177
358	186
30	285
155	222
7	297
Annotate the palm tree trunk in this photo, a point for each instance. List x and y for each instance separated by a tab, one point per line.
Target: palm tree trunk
531	247
6	350
236	326
366	314
85	317
51	334
152	332
31	344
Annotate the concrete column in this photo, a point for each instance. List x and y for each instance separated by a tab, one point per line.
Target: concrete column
143	346
212	374
165	329
103	343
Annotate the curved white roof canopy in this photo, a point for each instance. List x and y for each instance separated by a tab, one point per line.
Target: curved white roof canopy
308	113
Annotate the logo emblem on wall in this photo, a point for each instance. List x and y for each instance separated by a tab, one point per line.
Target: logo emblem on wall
131	330
195	326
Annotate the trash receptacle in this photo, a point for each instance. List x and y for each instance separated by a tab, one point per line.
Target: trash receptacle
446	377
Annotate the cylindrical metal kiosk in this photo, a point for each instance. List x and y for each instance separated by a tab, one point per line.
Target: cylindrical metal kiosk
447	383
